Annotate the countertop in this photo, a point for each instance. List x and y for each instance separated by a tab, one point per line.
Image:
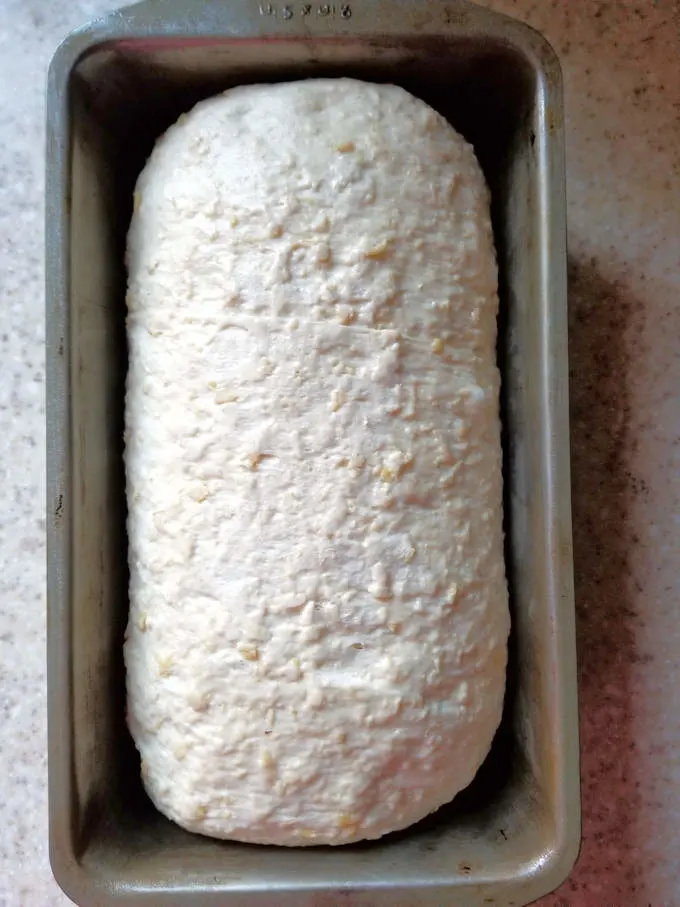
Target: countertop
621	64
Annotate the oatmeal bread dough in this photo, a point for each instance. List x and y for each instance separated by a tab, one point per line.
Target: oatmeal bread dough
316	648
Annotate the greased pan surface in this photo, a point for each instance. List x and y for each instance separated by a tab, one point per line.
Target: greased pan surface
114	86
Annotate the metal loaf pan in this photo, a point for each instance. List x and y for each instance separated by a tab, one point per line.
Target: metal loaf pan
114	86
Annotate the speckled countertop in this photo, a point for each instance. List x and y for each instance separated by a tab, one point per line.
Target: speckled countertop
622	71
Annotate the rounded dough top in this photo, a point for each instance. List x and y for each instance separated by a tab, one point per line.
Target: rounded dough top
316	649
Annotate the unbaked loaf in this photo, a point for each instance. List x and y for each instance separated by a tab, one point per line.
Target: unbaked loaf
316	648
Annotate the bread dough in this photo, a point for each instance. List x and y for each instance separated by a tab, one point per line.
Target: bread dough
316	648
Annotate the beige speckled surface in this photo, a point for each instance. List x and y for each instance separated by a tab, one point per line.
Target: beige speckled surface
622	70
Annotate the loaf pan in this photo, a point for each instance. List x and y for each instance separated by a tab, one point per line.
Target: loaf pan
114	86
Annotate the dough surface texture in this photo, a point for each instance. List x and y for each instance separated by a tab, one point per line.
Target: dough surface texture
316	647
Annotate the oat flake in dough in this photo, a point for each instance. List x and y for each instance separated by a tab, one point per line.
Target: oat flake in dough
316	649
